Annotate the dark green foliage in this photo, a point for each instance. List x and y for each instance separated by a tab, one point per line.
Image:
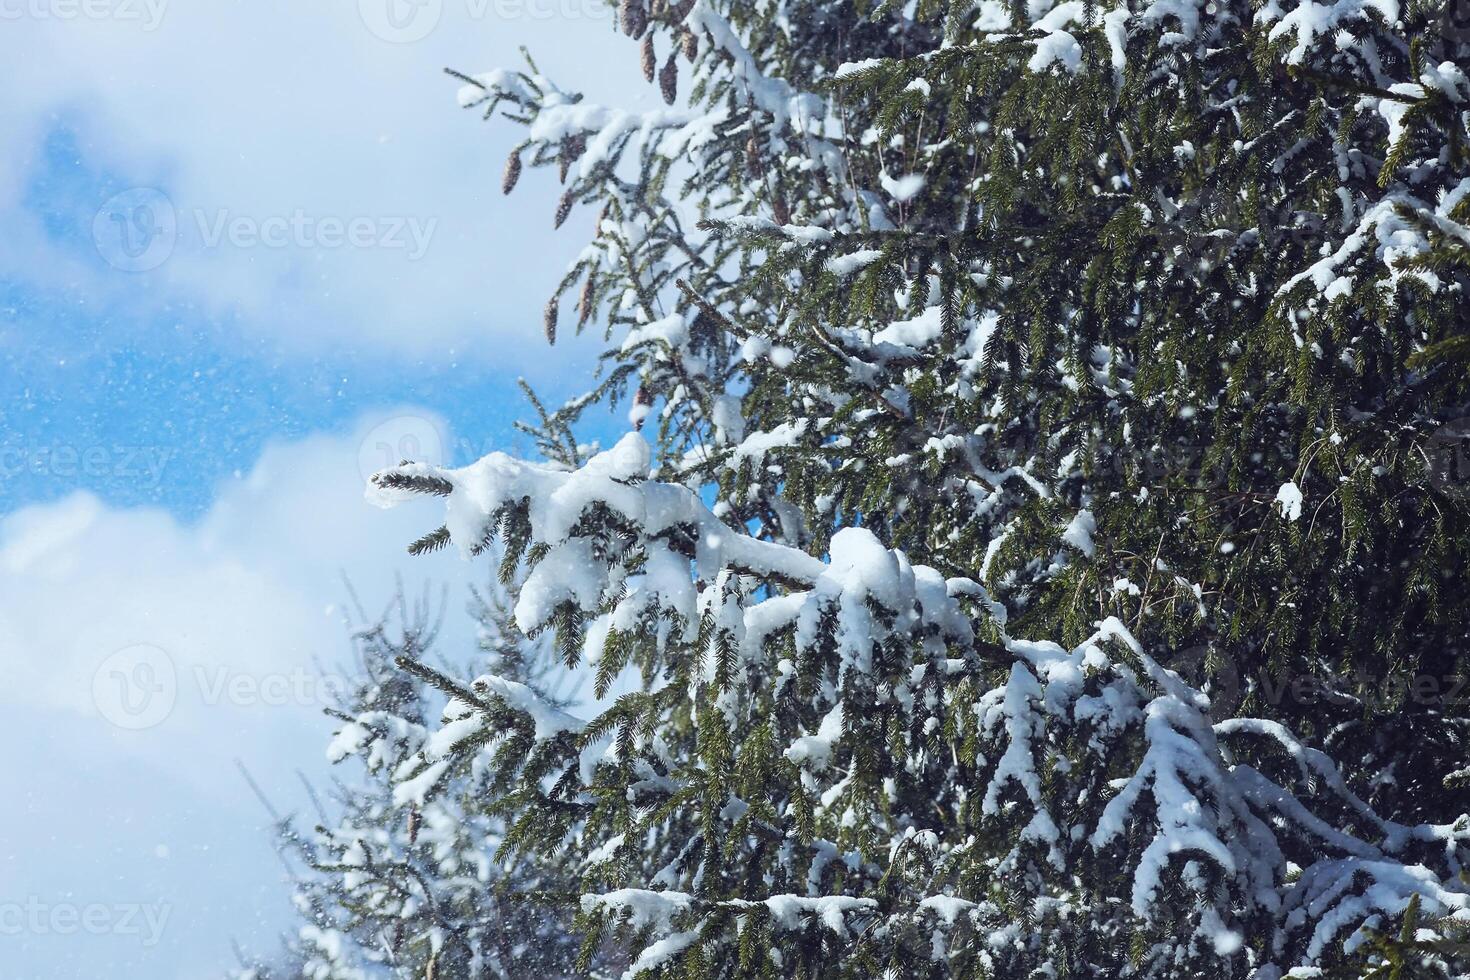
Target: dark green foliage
1137	331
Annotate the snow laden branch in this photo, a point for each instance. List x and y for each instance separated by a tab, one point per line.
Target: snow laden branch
850	677
396	874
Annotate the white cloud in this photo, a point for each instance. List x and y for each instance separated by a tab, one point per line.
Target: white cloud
207	636
318	157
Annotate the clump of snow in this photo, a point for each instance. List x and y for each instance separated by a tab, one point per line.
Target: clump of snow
660	952
904	188
1057	47
549	720
846	265
1289	500
639	907
816	750
831	910
755	446
1079	532
916	332
850	68
671	330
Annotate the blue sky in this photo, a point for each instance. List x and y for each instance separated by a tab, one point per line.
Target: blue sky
185	427
196	399
196	390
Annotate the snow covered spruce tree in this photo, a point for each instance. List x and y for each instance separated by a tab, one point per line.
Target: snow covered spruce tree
1037	548
392	885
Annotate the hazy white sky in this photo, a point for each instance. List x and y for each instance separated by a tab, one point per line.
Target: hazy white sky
302	164
142	657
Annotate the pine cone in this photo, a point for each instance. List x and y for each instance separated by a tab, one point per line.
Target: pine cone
690	44
641	398
634	17
564	208
753	158
572	149
781	212
650	58
512	172
549	320
668	80
584	302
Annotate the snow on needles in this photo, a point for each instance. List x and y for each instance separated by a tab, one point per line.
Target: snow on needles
1180	806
